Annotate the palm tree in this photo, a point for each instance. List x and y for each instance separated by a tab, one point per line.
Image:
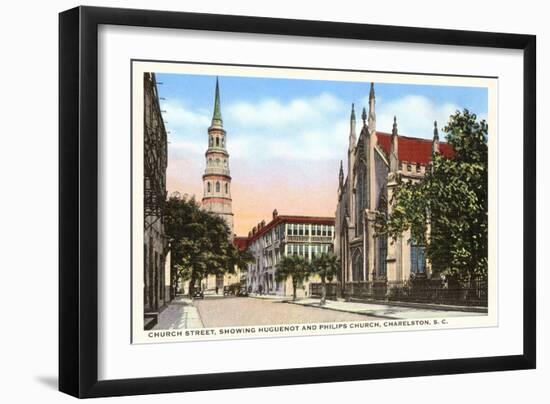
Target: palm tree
294	266
326	265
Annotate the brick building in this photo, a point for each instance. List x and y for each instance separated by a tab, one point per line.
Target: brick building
156	266
285	235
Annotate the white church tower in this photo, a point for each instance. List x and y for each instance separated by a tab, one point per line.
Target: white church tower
216	178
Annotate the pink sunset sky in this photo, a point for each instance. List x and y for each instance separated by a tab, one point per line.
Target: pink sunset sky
298	188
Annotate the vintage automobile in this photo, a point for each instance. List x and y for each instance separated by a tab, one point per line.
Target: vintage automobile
198	294
243	292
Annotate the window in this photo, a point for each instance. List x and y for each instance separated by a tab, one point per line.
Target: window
300	229
361	197
306	230
289	229
217	186
382	255
324	230
226	188
357	266
418	260
208	187
217	141
295	229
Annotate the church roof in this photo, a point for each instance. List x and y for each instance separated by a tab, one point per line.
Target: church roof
411	149
240	242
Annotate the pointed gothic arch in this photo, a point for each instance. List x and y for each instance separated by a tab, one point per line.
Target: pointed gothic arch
382	240
357	265
361	195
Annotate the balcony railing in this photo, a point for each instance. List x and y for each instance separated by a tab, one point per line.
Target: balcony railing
217	170
308	239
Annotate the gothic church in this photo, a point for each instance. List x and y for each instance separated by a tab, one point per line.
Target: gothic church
372	264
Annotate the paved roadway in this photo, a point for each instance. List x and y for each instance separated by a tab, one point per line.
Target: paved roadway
244	311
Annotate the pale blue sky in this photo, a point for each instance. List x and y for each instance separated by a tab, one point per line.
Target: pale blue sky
286	137
291	115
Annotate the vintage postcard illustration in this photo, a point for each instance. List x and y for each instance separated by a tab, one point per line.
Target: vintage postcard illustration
286	202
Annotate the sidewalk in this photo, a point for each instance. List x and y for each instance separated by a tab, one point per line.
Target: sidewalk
383	310
180	314
269	297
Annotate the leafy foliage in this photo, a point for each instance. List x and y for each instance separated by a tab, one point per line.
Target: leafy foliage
199	241
296	267
327	266
447	210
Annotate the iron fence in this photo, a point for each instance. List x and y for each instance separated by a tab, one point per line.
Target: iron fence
421	290
316	288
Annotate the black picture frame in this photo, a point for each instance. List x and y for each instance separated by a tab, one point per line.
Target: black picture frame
78	200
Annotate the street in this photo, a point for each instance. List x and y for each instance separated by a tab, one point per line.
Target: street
243	311
218	311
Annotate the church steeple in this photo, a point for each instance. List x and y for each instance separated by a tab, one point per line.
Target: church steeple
372	113
217	177
394	154
364	116
341	175
435	141
352	136
217	116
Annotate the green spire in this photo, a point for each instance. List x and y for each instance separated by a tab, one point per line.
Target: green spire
217	117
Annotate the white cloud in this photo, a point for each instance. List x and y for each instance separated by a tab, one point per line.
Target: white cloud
306	128
181	117
415	115
275	114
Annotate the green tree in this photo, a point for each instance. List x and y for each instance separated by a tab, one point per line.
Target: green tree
200	243
326	265
446	211
296	267
240	259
